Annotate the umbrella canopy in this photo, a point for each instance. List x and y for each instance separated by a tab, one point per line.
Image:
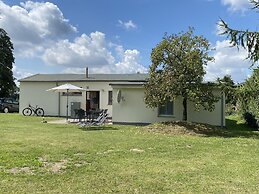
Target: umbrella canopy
66	88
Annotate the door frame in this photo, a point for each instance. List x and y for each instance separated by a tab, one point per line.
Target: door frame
99	101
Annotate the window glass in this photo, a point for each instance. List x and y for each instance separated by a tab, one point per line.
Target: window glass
110	98
9	100
167	109
72	93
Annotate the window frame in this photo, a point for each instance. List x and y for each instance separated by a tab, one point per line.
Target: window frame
166	114
71	94
110	93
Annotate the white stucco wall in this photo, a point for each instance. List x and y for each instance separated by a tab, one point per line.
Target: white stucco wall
133	109
35	93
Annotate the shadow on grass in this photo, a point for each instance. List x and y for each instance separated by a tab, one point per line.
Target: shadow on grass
233	129
99	128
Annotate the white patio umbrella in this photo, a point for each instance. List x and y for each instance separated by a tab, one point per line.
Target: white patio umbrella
66	88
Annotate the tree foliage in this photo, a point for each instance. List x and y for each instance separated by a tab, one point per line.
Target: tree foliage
248	95
7	84
228	87
247	39
177	69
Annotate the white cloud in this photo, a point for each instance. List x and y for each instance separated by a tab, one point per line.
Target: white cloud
130	63
127	25
48	18
40	31
236	5
98	57
94	52
19	74
74	70
84	50
228	61
32	24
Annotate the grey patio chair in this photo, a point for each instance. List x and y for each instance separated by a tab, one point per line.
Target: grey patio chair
99	121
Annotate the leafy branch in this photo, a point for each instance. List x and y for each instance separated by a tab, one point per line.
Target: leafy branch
249	40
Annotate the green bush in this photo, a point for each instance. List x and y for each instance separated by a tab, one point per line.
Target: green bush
248	99
230	109
251	120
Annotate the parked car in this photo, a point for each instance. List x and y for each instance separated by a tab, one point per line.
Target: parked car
9	105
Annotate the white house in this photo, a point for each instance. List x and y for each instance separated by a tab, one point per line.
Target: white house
121	94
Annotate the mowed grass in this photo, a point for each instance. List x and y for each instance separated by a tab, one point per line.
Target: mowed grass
40	157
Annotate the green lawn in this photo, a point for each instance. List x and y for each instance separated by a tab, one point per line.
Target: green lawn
40	157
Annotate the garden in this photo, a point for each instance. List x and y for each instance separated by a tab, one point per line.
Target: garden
38	157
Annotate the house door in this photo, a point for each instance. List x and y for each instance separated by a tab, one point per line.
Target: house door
92	100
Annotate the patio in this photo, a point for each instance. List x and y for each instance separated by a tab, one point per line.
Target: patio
83	116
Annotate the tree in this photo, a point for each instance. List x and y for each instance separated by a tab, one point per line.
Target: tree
177	69
249	94
228	87
248	99
249	40
7	84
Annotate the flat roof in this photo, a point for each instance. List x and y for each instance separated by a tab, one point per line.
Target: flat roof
136	79
82	78
127	84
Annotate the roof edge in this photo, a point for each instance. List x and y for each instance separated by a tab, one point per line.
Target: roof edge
20	80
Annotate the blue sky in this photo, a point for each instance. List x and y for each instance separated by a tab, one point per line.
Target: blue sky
117	36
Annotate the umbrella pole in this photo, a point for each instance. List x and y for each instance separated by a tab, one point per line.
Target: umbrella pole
67	105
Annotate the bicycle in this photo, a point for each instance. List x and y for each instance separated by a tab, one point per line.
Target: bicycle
36	110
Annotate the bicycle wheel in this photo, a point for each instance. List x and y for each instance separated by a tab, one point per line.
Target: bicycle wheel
27	112
39	112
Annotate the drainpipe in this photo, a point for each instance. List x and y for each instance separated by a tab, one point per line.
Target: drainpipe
86	72
58	101
86	76
222	110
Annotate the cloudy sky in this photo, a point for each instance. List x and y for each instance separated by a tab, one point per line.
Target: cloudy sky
117	36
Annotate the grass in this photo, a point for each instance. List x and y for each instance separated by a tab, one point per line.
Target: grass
40	157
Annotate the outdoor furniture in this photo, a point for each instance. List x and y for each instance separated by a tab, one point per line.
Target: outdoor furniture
66	88
80	114
96	122
91	115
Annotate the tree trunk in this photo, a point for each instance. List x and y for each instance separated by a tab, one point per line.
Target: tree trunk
185	108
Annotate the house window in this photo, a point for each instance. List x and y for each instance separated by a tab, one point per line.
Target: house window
167	109
72	93
109	97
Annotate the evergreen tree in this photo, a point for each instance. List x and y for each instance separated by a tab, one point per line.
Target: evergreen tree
249	40
7	83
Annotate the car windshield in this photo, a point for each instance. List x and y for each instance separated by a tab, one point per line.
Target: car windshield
8	100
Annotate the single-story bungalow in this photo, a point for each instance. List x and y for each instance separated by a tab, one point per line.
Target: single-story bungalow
121	94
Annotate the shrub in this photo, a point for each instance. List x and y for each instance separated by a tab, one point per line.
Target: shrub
251	120
230	109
